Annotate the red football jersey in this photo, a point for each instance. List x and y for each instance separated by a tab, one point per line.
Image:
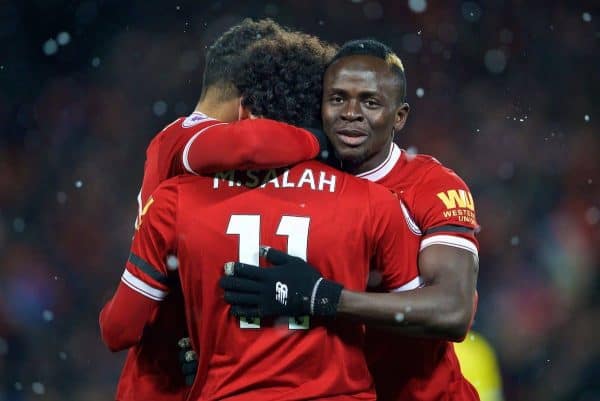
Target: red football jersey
197	224
442	211
152	370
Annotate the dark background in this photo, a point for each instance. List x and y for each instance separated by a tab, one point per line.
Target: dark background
503	92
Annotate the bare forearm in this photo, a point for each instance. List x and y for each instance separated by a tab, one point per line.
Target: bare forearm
424	312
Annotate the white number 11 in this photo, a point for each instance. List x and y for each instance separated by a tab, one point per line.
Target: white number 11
247	226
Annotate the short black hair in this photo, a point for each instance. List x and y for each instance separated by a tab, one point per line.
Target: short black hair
225	54
374	48
282	78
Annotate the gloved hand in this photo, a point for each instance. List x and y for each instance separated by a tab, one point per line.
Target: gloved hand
291	287
326	152
188	360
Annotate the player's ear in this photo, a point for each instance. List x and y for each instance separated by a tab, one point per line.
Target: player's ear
401	116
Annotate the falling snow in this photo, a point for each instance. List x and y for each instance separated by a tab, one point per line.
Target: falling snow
471	11
78	184
95	62
19	225
159	107
63	38
48	315
50	47
586	118
420	92
38	388
399	317
495	61
587	17
417	6
412	150
172	262
514	241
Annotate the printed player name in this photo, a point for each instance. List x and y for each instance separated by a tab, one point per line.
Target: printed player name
317	181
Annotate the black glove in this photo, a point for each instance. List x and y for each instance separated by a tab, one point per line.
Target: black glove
188	360
326	150
290	288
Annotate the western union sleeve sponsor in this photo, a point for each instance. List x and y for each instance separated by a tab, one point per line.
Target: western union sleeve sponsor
457	199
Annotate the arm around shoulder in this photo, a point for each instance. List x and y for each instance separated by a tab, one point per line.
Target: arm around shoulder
249	144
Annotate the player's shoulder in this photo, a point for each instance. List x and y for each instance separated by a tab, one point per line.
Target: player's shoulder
182	126
427	171
167	188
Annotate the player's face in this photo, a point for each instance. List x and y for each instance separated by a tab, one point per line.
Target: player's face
361	110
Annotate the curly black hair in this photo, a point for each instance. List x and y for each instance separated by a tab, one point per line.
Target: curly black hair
281	78
227	52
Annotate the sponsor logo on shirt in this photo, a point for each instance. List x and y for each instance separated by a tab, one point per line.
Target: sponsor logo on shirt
459	205
454	199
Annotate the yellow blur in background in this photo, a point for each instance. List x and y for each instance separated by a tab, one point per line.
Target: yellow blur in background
479	365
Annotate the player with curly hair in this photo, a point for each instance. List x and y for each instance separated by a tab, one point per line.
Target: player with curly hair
277	80
152	370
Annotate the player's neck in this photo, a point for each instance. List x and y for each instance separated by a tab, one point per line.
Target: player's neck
369	164
226	111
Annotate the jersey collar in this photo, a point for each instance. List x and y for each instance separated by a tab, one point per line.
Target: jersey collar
195	118
385	167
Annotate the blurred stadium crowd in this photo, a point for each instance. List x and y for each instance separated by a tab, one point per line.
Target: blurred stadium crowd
505	93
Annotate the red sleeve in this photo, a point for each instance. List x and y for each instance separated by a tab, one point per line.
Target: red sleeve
160	155
146	278
123	318
445	210
248	144
395	244
152	176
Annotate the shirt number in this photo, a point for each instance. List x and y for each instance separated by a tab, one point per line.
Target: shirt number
247	227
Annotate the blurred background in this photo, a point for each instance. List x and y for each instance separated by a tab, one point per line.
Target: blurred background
503	92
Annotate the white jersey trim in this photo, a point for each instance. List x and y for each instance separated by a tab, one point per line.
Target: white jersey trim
409	220
143	288
139	202
194	119
384	168
188	145
411	285
450	240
